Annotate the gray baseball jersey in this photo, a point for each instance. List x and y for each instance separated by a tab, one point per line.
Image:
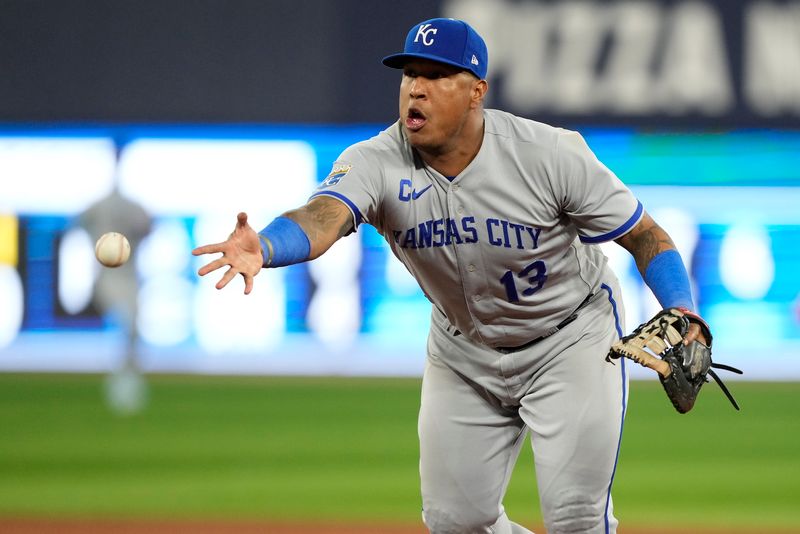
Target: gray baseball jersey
503	250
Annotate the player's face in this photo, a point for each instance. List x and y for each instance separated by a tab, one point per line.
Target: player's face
435	102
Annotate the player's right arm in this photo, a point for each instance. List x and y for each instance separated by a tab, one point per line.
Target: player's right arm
324	220
298	235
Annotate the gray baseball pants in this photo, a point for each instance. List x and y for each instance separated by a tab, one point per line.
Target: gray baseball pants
478	406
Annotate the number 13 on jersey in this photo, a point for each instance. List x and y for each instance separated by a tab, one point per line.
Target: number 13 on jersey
531	279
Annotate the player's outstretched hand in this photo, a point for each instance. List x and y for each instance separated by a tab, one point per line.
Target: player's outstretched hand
241	252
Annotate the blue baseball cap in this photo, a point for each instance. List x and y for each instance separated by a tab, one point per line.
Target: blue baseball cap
449	41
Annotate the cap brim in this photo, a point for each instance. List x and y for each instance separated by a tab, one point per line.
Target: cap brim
398	61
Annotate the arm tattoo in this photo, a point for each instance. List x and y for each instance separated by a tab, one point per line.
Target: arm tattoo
318	218
646	242
345	227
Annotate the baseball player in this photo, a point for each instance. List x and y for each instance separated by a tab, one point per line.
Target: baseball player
116	291
497	217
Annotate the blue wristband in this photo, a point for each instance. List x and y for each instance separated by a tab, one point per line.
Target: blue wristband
287	243
667	278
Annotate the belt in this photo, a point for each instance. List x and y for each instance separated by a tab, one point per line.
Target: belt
559	326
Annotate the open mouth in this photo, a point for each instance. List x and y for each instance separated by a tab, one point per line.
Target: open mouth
415	120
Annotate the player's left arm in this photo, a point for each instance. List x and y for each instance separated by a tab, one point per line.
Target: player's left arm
661	268
645	241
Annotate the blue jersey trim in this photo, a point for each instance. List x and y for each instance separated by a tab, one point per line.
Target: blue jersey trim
619	231
624	402
344	199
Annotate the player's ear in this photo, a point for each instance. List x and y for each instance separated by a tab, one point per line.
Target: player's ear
479	89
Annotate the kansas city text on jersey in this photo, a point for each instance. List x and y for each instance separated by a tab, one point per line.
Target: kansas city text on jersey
446	231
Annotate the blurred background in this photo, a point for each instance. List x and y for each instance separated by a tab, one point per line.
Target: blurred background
164	119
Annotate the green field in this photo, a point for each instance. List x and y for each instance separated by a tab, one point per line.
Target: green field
336	449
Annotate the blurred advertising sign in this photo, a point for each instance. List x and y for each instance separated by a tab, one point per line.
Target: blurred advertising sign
729	200
646	63
682	62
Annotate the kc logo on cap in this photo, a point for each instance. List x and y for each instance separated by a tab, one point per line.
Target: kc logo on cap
449	41
424	31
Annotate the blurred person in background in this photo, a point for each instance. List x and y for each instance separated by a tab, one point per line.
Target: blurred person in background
116	290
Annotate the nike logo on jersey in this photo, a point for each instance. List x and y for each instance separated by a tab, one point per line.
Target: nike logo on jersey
408	193
416	194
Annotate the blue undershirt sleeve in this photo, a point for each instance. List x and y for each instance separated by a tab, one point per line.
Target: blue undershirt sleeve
286	243
667	278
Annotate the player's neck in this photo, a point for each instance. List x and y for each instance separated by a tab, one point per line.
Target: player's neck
454	159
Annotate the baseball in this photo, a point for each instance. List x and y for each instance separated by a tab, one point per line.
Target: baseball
112	249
